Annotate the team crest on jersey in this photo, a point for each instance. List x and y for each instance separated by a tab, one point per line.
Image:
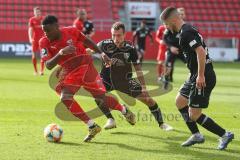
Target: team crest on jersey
126	55
70	42
44	52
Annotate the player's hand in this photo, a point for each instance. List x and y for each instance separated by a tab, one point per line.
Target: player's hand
67	50
200	82
162	42
174	50
106	59
89	51
31	41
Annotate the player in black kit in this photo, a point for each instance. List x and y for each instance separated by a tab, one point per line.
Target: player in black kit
195	93
173	49
171	39
118	76
140	34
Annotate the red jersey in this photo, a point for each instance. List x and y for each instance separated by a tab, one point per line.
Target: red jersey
162	47
35	24
69	36
159	34
78	24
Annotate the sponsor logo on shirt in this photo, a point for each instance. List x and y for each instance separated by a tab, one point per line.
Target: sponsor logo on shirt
192	43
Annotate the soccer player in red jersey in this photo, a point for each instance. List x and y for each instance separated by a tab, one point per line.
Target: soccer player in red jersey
161	51
35	32
64	47
79	21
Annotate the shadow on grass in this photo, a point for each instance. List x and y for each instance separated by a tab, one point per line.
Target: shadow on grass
69	143
174	147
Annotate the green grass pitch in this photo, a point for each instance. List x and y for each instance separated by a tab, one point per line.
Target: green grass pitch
27	105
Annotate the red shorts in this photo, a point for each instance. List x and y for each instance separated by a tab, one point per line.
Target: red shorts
85	76
161	53
35	45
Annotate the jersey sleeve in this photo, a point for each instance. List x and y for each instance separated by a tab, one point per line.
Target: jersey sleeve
80	36
191	39
91	27
44	49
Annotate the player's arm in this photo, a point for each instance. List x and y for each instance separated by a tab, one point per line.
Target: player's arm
194	40
140	77
150	36
134	37
201	59
158	35
51	63
90	44
30	33
134	57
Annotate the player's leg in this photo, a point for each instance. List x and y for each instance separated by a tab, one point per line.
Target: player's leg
67	93
142	51
160	64
170	79
93	83
34	57
200	99
41	60
182	105
42	67
154	109
111	123
106	111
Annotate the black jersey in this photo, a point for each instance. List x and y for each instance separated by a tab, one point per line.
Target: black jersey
122	60
189	40
171	39
89	28
141	34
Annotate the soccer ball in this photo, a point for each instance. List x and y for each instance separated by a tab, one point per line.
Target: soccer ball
53	133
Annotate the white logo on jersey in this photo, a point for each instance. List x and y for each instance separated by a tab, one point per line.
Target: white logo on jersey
192	43
70	42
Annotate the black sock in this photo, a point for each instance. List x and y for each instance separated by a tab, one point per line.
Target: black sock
192	126
210	125
106	111
156	112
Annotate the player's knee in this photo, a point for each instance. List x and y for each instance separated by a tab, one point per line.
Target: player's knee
65	96
181	101
194	114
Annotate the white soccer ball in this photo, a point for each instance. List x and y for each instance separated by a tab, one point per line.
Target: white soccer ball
53	133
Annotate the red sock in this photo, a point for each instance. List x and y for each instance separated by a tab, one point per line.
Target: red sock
160	69
76	110
41	66
34	62
113	104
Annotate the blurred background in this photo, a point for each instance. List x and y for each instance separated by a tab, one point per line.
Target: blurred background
217	20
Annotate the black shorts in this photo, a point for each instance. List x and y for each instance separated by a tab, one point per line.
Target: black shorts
130	87
140	48
199	98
